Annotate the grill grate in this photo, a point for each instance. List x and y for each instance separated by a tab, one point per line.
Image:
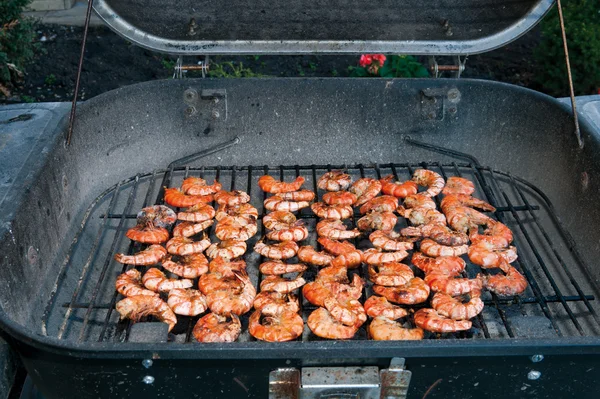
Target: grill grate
554	304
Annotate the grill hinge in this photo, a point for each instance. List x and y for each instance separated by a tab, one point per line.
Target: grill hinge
439	102
179	70
341	382
208	106
455	69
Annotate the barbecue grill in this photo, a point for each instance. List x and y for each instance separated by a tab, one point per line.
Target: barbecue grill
516	145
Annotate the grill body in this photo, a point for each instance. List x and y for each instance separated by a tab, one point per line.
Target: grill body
142	128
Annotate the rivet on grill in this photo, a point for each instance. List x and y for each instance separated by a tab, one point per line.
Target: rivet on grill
215	114
147	363
148	379
537	358
534	375
190	111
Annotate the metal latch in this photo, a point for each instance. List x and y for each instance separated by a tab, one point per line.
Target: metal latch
341	382
438	102
208	105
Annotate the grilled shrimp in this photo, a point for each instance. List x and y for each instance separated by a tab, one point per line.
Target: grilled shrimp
197	213
351	259
316	292
421	215
396	188
215	328
197	186
237	300
438	233
375	256
225	267
431	320
347	311
242	213
384	329
308	254
281	250
454	309
390	274
281	284
217	281
232	198
273	302
432	248
136	307
447	284
339	198
334	181
376	306
228	249
496	233
430	179
336	247
384	203
323	325
185	246
331	211
188	229
279	220
487	255
302	195
149	256
511	283
390	240
377	221
156	281
232	229
365	189
412	293
130	284
270	185
276	267
296	232
450	265
280	327
419	201
461	200
157	215
148	234
464	219
347	291
189	266
176	197
458	185
335	229
338	274
187	302
277	203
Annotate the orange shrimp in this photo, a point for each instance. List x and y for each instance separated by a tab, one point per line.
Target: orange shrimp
240	213
430	179
302	195
189	266
392	274
270	185
335	229
511	283
454	309
176	197
148	234
376	306
496	233
390	240
296	232
279	220
273	302
488	255
157	215
136	307
197	186
347	291
438	233
458	185
419	201
334	181
150	256
377	221
396	188
232	229
447	284
365	189
237	300
130	284
276	267
227	249
188	229
338	274
308	254
461	200
347	311
232	198
336	247
331	211
216	281
450	265
197	213
339	198
185	246
421	215
432	248
384	203
187	302
285	326
375	256
431	320
215	328
156	281
323	325
351	259
281	284
316	292
225	267
277	203
281	250
384	329
464	219
412	293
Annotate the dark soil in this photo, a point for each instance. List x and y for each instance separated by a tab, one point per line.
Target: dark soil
112	62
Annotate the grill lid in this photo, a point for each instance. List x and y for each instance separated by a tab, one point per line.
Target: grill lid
197	27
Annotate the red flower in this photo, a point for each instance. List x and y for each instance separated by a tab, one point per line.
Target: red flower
379	57
365	60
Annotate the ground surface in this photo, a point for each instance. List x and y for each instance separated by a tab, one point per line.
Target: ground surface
112	62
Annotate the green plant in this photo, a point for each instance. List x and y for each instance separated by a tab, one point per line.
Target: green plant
582	21
50	80
334	72
16	43
395	66
230	69
312	66
300	70
168	64
27	99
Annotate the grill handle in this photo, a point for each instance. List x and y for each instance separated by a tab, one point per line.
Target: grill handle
341	382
